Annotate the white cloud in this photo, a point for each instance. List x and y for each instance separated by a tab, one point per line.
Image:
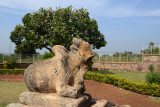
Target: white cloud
102	8
11	11
153	13
120	12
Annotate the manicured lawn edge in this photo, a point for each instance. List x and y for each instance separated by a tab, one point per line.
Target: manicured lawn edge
141	88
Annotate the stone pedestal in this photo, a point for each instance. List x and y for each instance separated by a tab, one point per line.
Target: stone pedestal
53	100
34	99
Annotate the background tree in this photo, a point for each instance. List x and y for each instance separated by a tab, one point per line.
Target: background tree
18	37
151	49
151	44
46	28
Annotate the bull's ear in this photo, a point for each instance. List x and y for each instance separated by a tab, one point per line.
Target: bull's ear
59	50
76	41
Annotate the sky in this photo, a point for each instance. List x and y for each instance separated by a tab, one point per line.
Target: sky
126	24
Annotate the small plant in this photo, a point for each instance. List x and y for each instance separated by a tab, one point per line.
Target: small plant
6	64
153	77
47	55
151	68
89	64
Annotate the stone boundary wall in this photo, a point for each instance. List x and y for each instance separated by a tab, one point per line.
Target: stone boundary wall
129	67
151	59
119	66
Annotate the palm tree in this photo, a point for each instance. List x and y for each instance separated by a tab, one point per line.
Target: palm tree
151	44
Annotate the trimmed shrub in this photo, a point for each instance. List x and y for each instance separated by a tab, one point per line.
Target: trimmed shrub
10	63
141	88
153	77
12	71
6	64
47	55
151	68
89	64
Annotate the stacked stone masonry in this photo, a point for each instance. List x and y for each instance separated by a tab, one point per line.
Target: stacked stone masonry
129	67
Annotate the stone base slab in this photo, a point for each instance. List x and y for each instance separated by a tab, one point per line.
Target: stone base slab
53	100
34	99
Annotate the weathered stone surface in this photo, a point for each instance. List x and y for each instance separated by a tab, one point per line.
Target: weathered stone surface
62	74
19	105
116	66
151	58
53	100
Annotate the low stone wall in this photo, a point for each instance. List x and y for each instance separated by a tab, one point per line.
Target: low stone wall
119	66
129	67
151	59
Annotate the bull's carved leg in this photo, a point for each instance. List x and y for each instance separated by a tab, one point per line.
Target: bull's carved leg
63	89
79	81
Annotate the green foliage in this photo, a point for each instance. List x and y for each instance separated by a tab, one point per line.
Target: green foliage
12	71
151	68
151	49
24	49
12	62
158	68
6	64
46	28
89	64
47	55
153	77
141	88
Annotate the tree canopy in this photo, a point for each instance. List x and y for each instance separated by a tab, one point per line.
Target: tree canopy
46	28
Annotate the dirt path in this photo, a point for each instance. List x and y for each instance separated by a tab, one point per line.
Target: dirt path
107	92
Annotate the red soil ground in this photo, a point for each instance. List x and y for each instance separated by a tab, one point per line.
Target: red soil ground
108	92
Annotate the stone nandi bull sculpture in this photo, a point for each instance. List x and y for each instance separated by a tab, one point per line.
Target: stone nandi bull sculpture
63	73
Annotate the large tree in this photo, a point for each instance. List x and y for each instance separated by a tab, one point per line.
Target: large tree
46	28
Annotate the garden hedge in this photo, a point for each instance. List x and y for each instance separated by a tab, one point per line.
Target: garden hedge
141	88
12	71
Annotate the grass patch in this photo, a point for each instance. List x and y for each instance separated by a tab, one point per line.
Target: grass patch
9	92
133	76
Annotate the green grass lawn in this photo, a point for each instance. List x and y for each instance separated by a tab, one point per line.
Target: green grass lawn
9	92
133	76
